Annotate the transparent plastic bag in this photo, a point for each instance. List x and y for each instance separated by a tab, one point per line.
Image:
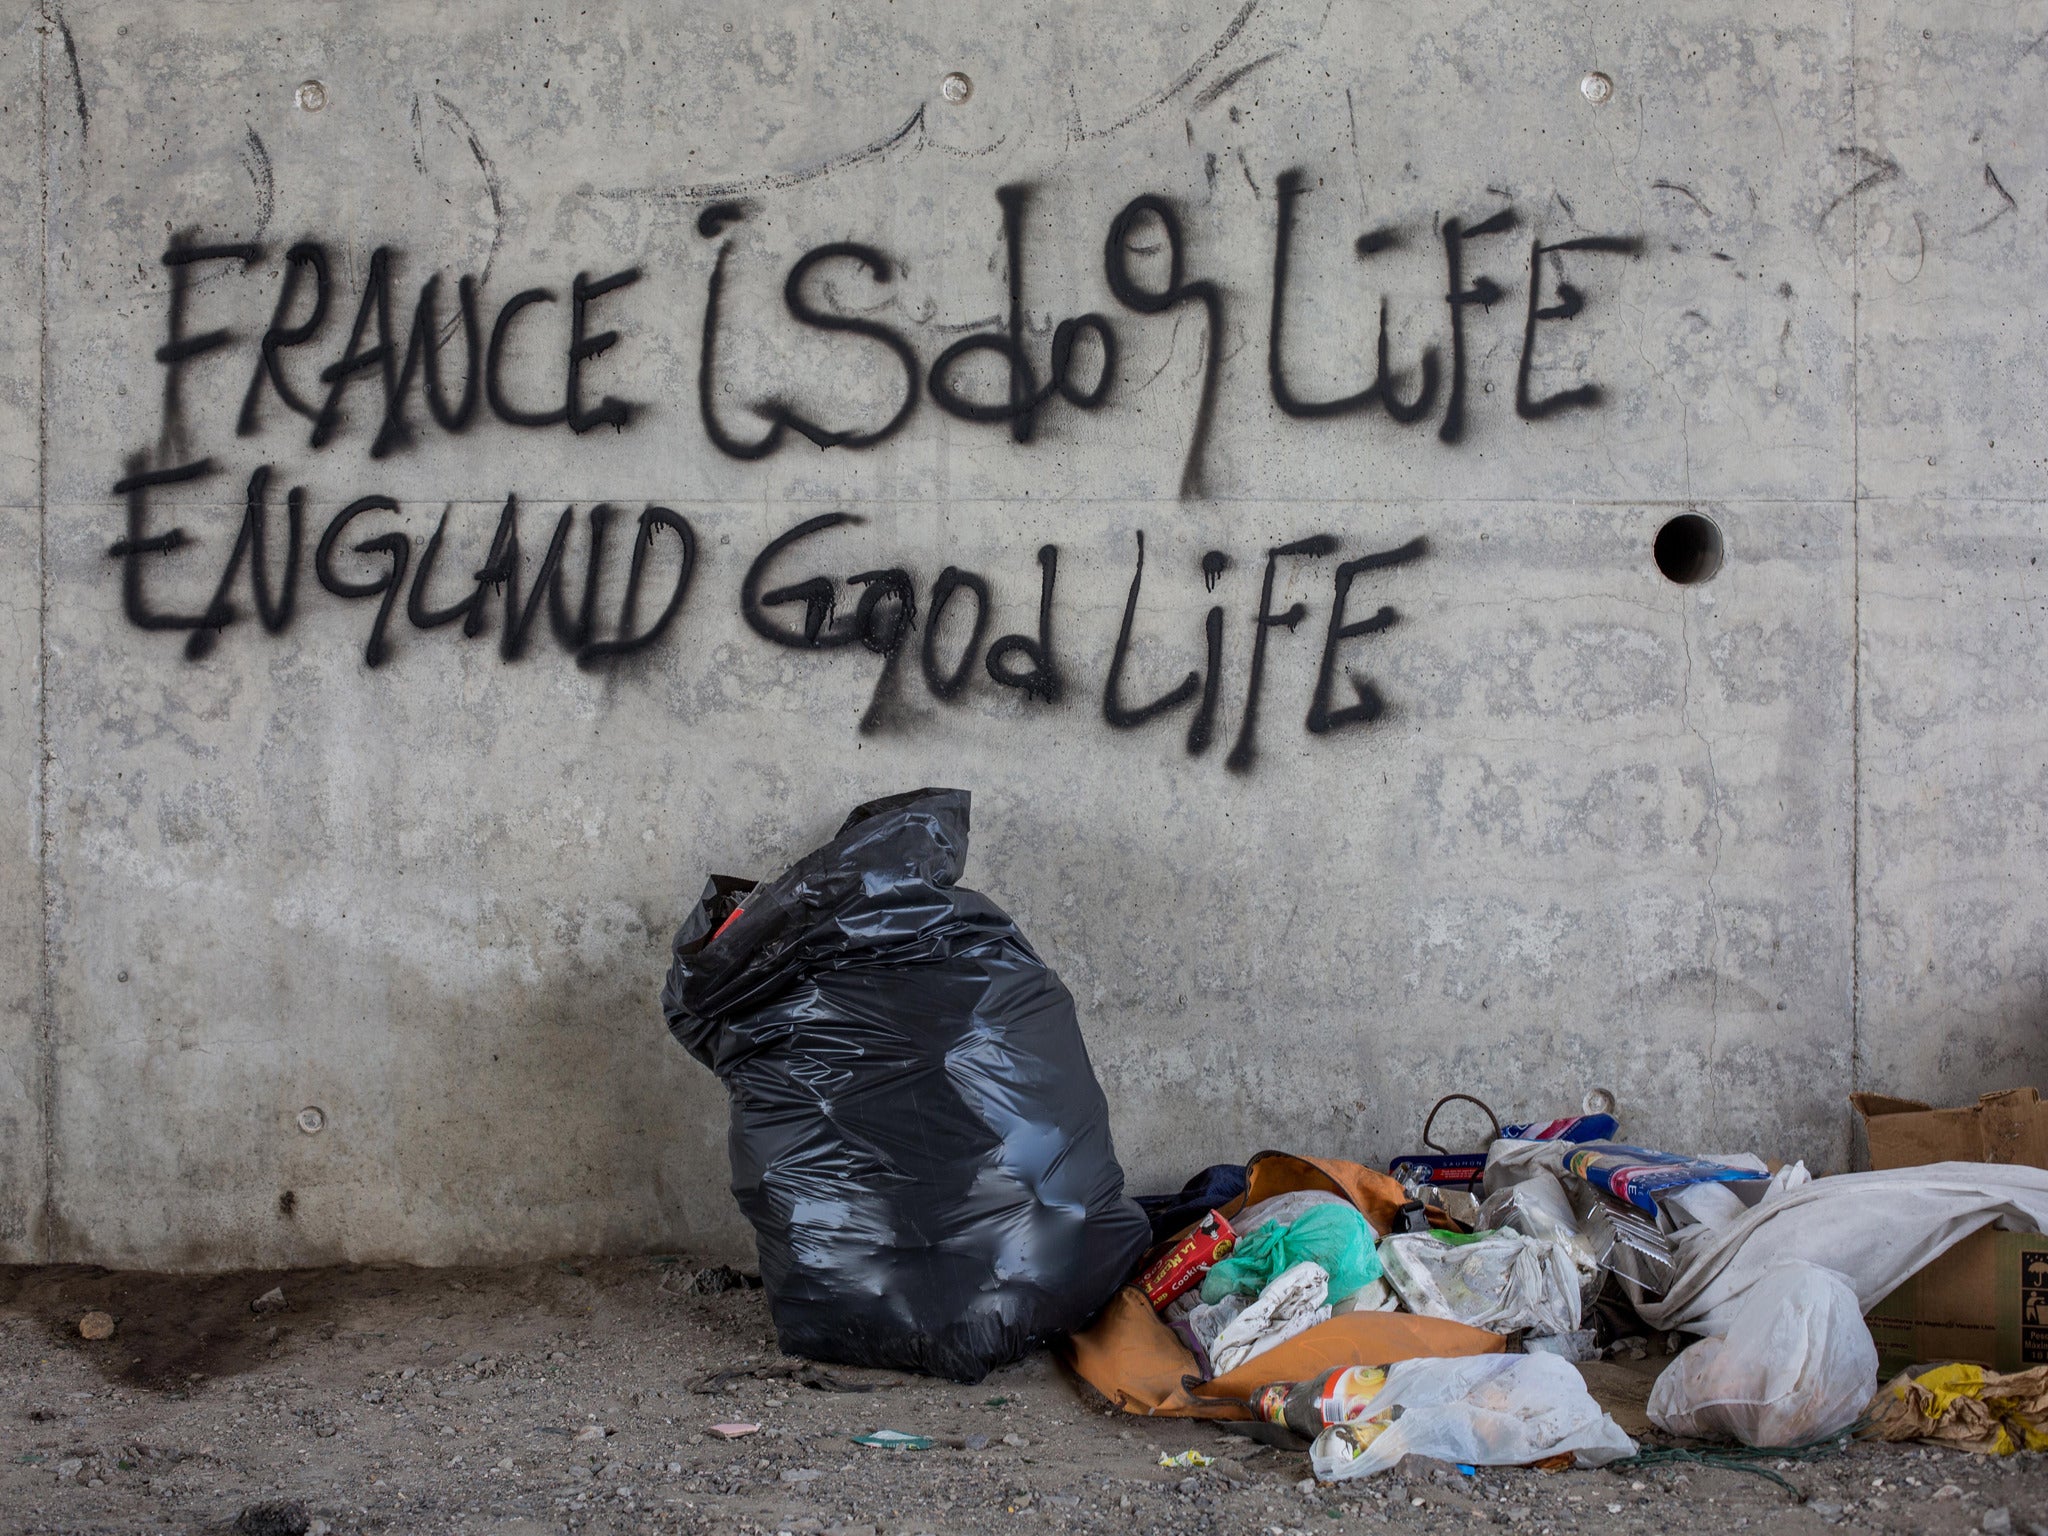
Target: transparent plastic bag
1483	1411
1798	1364
1498	1280
1538	1207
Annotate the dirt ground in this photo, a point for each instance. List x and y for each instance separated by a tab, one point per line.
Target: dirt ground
559	1397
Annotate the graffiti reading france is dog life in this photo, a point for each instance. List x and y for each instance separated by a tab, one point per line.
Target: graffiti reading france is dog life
407	376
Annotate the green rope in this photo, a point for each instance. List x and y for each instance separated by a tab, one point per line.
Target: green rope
1744	1458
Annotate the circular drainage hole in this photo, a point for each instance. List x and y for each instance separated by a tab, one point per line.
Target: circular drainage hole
1689	549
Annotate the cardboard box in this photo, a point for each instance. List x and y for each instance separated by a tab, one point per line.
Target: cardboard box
1985	1301
2009	1127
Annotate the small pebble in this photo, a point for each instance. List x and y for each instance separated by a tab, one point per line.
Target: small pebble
96	1325
1996	1522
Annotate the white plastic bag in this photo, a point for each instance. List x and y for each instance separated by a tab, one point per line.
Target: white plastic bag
1502	1281
1798	1364
1285	1209
1876	1228
1294	1301
1483	1411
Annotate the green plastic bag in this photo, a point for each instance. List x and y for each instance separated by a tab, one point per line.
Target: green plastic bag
1335	1236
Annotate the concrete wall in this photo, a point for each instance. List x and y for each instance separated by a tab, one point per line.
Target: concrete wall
1728	849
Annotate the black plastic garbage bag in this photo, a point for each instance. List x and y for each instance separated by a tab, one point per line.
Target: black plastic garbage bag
917	1135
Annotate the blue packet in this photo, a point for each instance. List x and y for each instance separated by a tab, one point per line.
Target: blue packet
1637	1175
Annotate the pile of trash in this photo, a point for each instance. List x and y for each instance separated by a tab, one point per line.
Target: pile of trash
923	1149
1440	1309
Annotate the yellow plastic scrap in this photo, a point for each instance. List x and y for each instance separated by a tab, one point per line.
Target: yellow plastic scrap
1966	1408
1186	1459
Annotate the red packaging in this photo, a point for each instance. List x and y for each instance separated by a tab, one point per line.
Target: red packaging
1182	1265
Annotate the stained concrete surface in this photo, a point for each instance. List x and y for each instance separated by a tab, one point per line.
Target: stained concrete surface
1728	850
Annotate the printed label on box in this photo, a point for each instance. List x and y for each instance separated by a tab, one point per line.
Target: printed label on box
2034	1306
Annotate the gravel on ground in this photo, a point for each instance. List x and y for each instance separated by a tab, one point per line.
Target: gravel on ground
580	1396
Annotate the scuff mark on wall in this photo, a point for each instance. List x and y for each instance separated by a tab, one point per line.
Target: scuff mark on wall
483	163
256	161
775	181
56	14
1209	93
1076	133
419	138
1883	168
1683	191
1991	180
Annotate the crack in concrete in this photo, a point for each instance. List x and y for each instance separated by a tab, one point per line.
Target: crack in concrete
1855	597
46	978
